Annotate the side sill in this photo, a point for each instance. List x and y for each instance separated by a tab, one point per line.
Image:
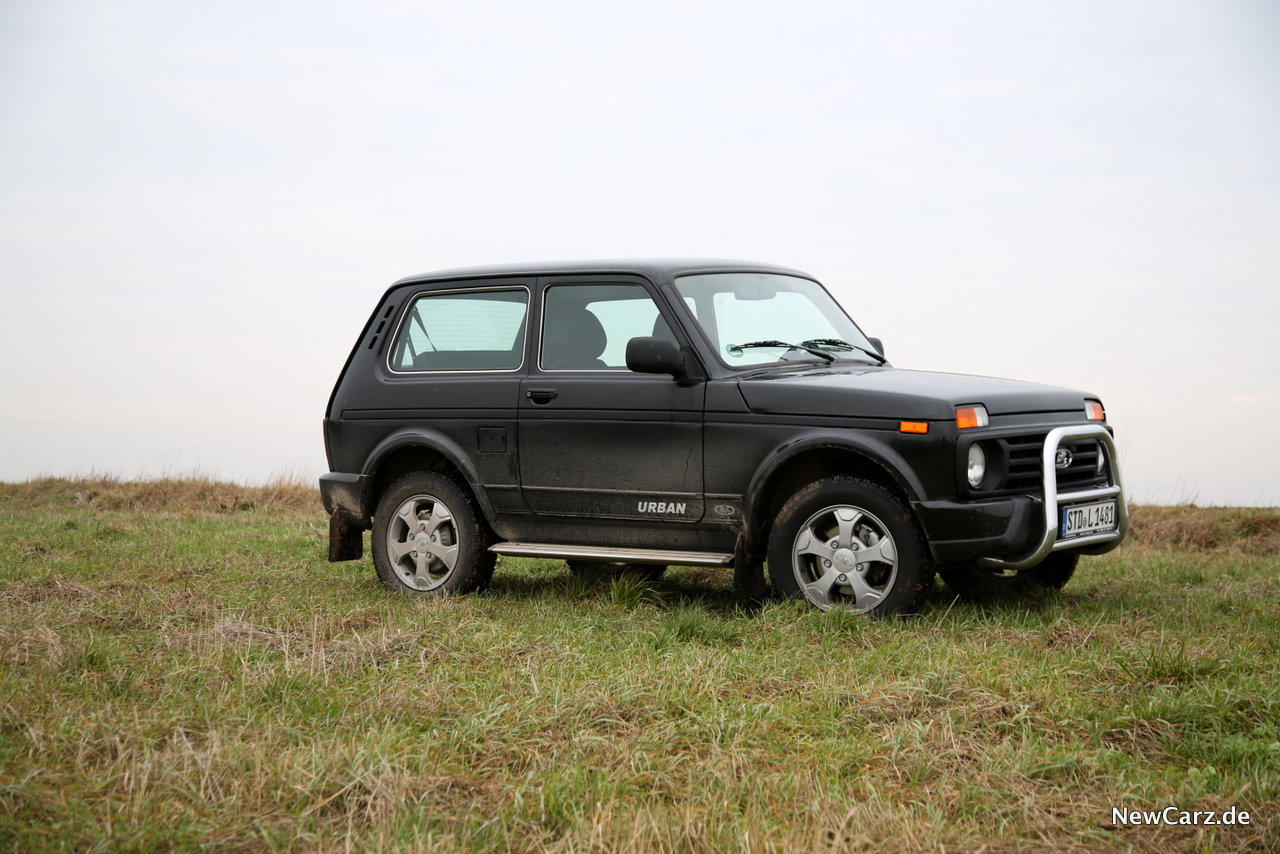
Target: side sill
619	555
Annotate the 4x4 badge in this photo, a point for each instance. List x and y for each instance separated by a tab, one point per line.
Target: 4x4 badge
1063	459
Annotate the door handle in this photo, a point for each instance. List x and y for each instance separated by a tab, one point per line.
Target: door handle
541	395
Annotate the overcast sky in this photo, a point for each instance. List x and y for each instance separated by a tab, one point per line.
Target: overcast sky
200	203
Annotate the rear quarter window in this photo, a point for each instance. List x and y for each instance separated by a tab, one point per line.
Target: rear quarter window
462	331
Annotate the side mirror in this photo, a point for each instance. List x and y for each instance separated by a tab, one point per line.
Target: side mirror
655	356
875	342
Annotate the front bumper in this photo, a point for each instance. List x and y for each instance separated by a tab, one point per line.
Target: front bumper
1092	543
965	531
1020	531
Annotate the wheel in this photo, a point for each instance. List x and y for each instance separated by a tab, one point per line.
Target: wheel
596	568
973	582
427	537
846	542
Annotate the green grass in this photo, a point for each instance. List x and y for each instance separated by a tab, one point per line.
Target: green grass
181	670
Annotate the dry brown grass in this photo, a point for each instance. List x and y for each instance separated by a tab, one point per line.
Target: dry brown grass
1248	530
183	494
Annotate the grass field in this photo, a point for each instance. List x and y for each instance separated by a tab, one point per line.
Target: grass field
181	670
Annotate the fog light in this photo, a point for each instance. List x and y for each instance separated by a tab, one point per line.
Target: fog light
977	465
1102	459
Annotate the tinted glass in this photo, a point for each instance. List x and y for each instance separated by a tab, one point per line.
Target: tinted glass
587	327
475	331
748	308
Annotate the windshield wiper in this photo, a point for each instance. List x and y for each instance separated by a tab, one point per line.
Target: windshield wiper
814	350
844	345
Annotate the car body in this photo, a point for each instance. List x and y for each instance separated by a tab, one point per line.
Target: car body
609	412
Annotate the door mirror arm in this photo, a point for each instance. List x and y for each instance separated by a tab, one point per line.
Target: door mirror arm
693	373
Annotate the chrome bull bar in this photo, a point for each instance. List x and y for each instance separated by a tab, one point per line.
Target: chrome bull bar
1053	500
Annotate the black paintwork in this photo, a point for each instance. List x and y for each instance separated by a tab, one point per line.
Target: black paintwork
584	457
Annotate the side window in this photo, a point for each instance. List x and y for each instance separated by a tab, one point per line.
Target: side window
470	331
587	327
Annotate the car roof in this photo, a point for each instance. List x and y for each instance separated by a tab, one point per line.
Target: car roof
655	269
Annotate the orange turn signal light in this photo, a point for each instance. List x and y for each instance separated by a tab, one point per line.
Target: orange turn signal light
1094	411
972	416
913	426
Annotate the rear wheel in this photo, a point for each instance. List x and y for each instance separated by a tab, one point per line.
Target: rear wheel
974	582
846	542
604	569
427	538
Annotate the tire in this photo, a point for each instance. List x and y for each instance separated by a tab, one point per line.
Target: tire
970	581
598	569
879	564
448	555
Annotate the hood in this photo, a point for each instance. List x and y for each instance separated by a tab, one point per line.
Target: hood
900	394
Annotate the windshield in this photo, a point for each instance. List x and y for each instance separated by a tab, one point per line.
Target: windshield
755	319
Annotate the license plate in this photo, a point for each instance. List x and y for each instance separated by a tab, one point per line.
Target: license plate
1081	519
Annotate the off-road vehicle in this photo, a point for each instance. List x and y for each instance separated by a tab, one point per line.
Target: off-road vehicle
697	413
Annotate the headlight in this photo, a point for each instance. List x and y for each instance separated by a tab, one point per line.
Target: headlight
977	465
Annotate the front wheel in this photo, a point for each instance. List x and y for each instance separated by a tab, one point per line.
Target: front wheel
427	537
846	542
974	582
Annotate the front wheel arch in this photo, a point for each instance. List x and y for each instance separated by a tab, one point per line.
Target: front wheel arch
782	478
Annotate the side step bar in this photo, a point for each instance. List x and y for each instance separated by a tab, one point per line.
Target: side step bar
613	555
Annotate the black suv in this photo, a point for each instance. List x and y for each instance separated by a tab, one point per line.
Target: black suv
635	414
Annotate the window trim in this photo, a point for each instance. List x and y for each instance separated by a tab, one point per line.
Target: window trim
413	299
542	322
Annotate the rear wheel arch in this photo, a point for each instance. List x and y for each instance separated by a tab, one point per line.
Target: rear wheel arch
415	454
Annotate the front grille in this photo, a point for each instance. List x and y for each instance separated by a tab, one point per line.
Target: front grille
1022	469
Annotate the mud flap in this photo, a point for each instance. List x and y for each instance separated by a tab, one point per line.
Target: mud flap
748	574
346	538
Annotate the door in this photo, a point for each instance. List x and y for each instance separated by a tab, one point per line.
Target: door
454	371
596	439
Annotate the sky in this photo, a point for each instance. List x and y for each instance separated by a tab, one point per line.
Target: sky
201	203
